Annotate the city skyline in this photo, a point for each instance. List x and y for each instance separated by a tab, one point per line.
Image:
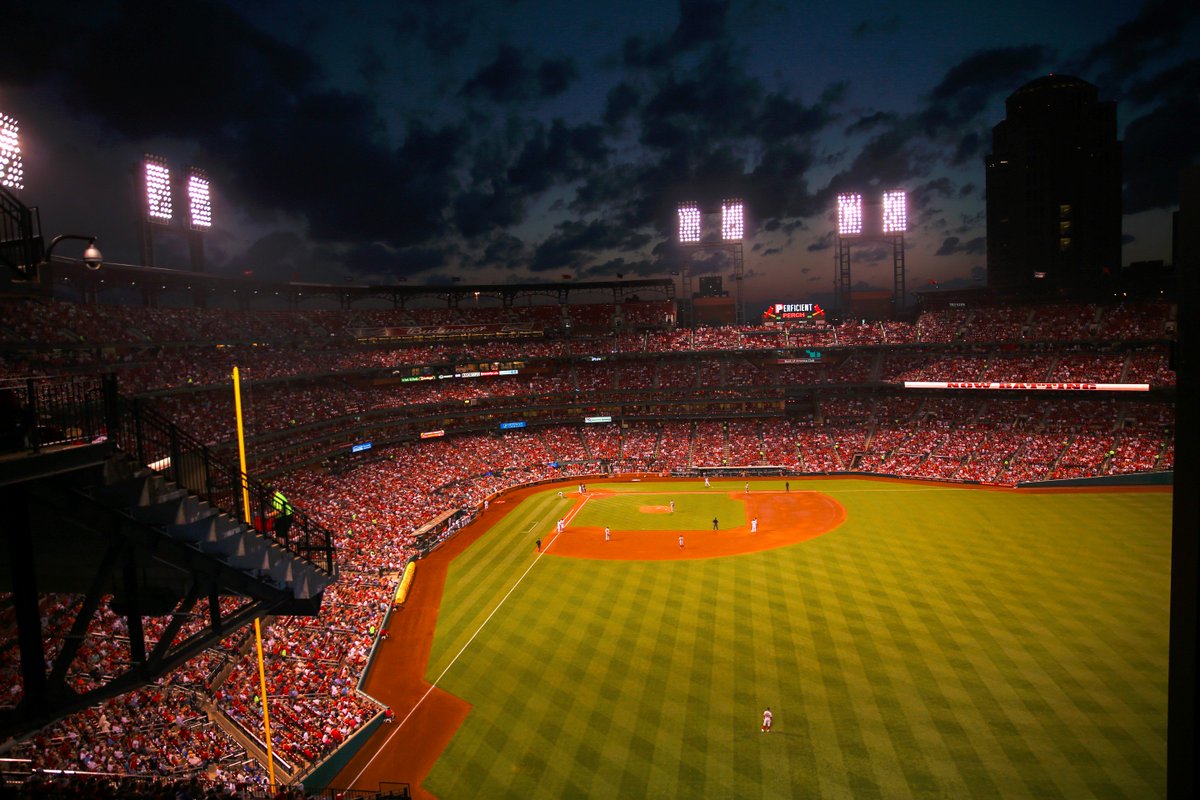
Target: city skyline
524	141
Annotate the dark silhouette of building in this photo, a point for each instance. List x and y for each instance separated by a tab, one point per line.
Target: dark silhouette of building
1054	190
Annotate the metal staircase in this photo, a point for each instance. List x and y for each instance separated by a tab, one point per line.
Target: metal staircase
133	514
20	236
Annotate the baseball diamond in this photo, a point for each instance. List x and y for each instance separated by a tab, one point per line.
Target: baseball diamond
911	640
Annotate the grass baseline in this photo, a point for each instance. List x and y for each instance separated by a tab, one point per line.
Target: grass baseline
966	647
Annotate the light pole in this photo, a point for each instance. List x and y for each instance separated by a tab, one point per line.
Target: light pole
92	257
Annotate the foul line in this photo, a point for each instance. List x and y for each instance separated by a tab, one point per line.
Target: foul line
570	515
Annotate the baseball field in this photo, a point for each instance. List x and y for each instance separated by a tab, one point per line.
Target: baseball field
912	640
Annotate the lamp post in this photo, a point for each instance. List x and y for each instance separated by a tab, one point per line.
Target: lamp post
92	257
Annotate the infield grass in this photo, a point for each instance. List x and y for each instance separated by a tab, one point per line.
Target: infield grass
943	642
694	511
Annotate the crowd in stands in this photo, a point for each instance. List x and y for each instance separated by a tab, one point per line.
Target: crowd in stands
71	325
179	727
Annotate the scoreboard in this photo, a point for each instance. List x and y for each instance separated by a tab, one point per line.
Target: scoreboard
794	314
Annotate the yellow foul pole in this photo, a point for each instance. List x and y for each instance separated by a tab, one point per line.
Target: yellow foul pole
262	671
237	405
262	685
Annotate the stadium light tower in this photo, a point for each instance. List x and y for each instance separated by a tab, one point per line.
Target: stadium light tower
733	229
850	214
157	206
733	225
12	169
199	200
689	223
693	221
161	189
895	211
895	223
851	227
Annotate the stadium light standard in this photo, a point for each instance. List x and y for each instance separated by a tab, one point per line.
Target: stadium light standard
895	224
850	214
733	229
689	223
733	222
851	228
157	207
199	199
729	239
160	190
12	169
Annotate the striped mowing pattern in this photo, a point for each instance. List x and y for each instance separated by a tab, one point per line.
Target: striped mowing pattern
943	642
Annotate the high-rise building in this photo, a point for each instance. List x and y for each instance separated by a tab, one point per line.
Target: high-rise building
1054	189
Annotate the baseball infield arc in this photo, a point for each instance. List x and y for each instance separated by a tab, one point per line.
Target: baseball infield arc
784	518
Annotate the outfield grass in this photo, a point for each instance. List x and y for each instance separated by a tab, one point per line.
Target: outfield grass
943	642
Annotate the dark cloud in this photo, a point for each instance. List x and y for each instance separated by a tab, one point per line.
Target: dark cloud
824	242
278	255
512	76
620	268
970	222
480	212
701	23
891	158
179	69
714	102
1157	147
371	65
926	193
440	26
968	87
503	250
1159	26
870	121
970	148
952	245
710	262
621	102
416	260
363	189
782	117
777	188
1175	83
555	76
574	243
868	27
559	153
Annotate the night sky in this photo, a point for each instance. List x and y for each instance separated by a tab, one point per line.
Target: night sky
433	140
